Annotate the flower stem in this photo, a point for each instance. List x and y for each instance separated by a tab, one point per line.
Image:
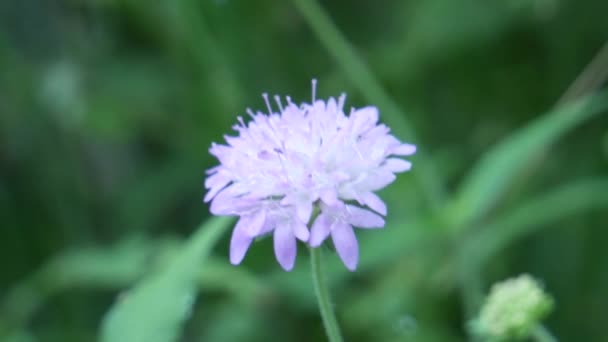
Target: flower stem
541	334
332	330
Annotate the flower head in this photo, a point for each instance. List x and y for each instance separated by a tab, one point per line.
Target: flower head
513	309
282	165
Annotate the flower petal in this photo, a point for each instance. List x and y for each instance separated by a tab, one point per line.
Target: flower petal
377	180
300	230
239	244
285	246
215	183
397	165
364	118
346	244
253	223
320	230
329	196
222	205
218	179
304	210
362	218
373	201
404	150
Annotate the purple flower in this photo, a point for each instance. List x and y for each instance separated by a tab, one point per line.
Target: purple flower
282	165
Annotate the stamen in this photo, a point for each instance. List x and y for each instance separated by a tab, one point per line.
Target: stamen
265	96
314	90
277	99
341	101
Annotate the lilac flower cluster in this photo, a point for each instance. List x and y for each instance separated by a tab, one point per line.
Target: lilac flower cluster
283	165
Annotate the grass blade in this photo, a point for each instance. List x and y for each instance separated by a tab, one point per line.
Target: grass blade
566	201
156	308
502	164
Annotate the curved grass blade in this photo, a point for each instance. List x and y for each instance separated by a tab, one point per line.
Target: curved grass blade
156	308
500	166
536	214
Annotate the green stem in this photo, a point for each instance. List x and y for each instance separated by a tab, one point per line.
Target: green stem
541	334
471	288
332	330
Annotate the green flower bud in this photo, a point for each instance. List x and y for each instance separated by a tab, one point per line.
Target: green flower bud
513	309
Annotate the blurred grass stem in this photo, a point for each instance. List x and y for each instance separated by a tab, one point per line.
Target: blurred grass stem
332	330
590	79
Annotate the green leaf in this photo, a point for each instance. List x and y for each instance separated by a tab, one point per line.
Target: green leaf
536	214
88	267
501	165
239	282
17	336
156	308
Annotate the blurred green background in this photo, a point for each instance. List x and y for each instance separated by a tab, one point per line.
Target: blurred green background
108	108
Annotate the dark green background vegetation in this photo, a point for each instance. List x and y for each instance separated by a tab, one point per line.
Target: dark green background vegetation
108	107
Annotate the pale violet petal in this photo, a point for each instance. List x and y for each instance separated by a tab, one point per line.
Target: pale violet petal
236	189
285	246
346	244
222	205
348	191
304	210
210	194
377	180
374	202
329	196
340	176
397	165
364	117
268	226
239	244
219	179
320	230
215	183
213	170
300	230
403	150
254	223
362	218
332	106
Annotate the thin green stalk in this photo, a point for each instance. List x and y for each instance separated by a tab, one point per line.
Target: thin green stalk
541	334
209	58
332	330
354	68
470	286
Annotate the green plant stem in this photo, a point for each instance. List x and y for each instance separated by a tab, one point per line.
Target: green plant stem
541	334
471	287
332	330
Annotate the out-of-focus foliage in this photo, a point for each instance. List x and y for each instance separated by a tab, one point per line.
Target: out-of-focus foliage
108	107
